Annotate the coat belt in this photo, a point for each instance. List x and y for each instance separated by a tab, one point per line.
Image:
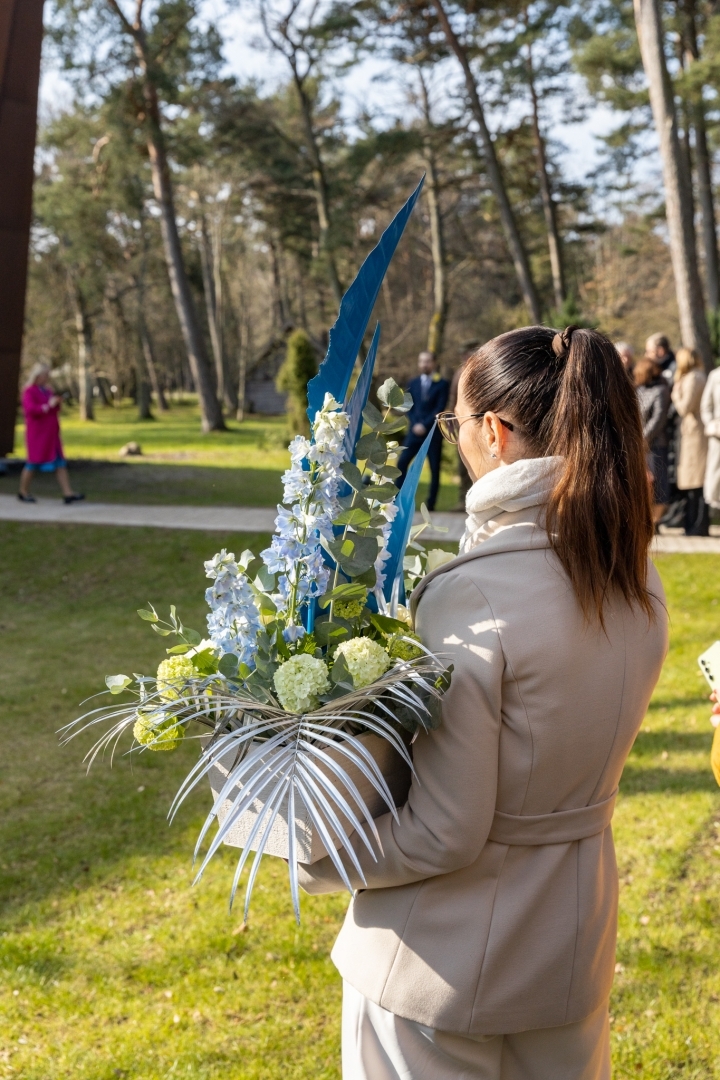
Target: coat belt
562	827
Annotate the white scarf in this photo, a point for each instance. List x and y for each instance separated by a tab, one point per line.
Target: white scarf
508	488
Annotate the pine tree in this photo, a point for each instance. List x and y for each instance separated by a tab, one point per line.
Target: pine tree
299	367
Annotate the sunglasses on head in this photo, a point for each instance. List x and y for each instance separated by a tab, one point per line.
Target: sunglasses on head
450	424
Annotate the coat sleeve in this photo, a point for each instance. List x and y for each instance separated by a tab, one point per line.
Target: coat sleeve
447	818
657	415
34	404
711	423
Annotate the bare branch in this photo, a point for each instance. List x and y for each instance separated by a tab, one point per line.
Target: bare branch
127	25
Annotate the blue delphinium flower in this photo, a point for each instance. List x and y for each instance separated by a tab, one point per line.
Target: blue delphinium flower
234	619
310	488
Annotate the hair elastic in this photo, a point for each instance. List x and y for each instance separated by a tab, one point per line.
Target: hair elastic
561	342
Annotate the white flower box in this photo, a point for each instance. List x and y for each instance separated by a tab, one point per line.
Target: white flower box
310	846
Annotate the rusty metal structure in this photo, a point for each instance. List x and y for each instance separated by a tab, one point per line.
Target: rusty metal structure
21	27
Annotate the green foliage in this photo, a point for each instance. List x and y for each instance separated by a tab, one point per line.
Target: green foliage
299	367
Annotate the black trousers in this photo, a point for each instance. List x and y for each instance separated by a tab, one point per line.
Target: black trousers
697	513
410	449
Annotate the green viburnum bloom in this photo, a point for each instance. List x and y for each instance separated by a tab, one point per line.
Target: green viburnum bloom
158	732
366	660
348	609
400	649
299	681
171	674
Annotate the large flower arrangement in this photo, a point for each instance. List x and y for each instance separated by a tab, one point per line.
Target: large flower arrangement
303	655
310	675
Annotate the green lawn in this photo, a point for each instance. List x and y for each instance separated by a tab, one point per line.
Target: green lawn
179	465
112	966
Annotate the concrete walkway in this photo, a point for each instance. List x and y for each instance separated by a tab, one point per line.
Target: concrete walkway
248	519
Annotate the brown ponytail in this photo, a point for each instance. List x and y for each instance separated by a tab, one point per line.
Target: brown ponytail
570	395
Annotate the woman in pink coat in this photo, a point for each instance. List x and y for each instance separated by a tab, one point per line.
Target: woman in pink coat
41	406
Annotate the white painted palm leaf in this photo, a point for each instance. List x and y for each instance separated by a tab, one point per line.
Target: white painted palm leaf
281	761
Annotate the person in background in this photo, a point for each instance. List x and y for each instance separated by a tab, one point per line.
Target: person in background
687	392
627	355
430	393
710	416
465	483
657	349
654	396
41	406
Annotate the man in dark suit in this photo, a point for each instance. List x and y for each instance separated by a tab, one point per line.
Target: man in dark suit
430	394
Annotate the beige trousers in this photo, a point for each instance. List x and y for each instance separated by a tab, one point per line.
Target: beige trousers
377	1045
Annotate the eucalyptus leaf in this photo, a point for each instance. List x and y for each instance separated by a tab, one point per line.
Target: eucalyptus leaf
347	591
228	665
391	394
246	558
148	616
355	556
392	424
368	445
372	416
331	633
381	492
265	581
178	650
357	516
368	577
340	672
191	636
387	625
352	474
117	683
206	662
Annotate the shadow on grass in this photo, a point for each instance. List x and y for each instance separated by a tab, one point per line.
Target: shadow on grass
658	703
68	597
651	743
172	484
637	780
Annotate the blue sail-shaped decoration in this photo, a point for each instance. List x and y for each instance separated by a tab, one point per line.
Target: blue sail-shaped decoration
359	397
400	530
355	310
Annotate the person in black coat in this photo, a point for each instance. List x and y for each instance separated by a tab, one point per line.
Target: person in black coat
430	394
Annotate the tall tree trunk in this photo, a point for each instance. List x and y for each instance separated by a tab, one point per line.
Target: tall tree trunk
149	354
707	208
143	396
83	330
279	311
549	210
703	164
229	397
436	329
206	262
693	324
320	185
492	165
210	411
242	373
146	341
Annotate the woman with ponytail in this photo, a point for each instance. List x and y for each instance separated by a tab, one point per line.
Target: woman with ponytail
482	940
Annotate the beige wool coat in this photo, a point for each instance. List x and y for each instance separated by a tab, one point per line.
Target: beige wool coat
492	908
710	415
686	395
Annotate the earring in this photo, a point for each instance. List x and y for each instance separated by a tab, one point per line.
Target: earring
493	455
